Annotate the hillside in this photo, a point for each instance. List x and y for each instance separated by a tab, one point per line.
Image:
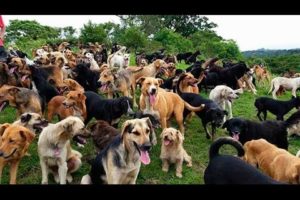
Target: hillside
270	52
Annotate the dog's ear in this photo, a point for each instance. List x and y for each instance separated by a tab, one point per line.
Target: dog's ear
223	92
28	136
160	81
140	80
13	90
126	127
180	136
225	112
3	127
162	133
225	125
68	127
23	62
25	118
157	63
81	96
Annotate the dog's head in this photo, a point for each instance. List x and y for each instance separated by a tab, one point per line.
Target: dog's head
126	104
33	121
126	60
188	79
153	118
137	132
150	87
235	127
252	150
215	115
171	136
8	96
72	85
106	77
44	59
15	141
229	94
158	63
74	98
73	127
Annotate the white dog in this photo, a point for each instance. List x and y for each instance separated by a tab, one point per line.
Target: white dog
55	152
287	83
94	64
223	96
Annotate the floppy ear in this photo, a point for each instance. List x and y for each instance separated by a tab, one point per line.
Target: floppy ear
161	134
68	127
160	81
25	118
180	136
225	124
126	127
3	127
140	80
28	136
13	90
81	96
223	92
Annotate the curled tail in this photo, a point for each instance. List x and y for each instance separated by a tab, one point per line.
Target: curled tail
215	146
272	87
192	108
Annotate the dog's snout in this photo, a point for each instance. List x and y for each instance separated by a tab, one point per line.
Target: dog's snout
1	153
146	147
153	90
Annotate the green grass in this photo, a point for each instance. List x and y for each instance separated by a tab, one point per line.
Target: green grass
195	144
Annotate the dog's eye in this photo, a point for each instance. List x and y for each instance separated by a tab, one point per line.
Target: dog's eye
148	83
147	130
11	141
136	133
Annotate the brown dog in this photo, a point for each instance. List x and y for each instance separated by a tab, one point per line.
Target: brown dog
23	99
72	85
71	105
188	83
277	163
154	99
15	141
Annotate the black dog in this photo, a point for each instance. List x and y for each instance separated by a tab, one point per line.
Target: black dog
154	119
183	56
87	78
109	110
278	108
245	130
226	169
193	57
211	113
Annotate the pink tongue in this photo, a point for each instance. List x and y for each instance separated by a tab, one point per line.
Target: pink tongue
24	77
12	70
166	142
103	87
152	99
56	152
236	136
145	159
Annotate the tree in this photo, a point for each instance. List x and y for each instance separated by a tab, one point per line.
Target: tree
134	38
93	33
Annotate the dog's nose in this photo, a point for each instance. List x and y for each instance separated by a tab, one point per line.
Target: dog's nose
146	147
1	153
153	90
236	132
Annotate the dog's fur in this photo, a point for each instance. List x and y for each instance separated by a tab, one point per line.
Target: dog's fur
23	99
287	84
278	108
172	151
224	96
245	130
15	141
277	163
119	163
55	152
226	169
156	100
33	121
73	85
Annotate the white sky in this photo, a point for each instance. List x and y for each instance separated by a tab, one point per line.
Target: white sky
249	31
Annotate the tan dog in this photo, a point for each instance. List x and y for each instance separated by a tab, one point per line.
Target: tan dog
277	163
15	141
71	105
188	83
172	151
73	85
23	99
62	46
261	74
154	99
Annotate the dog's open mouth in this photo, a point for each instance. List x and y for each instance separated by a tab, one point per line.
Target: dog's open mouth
80	139
235	135
104	86
39	126
145	158
24	77
12	70
167	142
152	98
3	105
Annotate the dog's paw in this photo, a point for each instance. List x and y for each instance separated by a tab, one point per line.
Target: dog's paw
179	175
44	182
56	178
189	165
165	169
69	178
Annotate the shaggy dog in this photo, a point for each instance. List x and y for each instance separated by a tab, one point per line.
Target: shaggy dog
33	121
172	150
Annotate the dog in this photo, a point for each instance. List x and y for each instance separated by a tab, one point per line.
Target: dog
187	83
261	74
293	124
23	99
94	65
245	130
172	150
33	121
278	108
226	169
109	110
72	85
55	152
120	161
275	162
287	84
224	96
15	141
166	104
73	104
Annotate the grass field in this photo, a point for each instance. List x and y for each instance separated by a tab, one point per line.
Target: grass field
195	144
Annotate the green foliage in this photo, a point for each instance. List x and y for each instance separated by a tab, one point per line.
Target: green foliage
133	38
93	33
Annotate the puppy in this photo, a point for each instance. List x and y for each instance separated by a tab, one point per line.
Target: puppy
120	162
33	121
172	151
226	169
245	130
277	163
15	141
55	152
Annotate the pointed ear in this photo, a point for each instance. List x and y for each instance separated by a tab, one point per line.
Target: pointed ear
126	127
160	81
13	90
23	62
225	124
27	135
3	127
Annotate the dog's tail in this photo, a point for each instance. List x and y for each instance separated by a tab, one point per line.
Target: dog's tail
214	148
272	87
192	108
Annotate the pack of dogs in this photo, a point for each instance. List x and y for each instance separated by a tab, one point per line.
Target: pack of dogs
63	98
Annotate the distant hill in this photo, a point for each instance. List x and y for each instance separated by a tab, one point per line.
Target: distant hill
270	52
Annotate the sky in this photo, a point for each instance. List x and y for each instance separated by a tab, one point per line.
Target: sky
249	31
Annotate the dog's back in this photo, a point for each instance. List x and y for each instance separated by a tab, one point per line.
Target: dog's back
226	169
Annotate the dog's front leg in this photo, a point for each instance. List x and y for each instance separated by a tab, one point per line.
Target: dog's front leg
213	131
179	168
45	171
208	136
229	109
62	171
165	165
13	172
